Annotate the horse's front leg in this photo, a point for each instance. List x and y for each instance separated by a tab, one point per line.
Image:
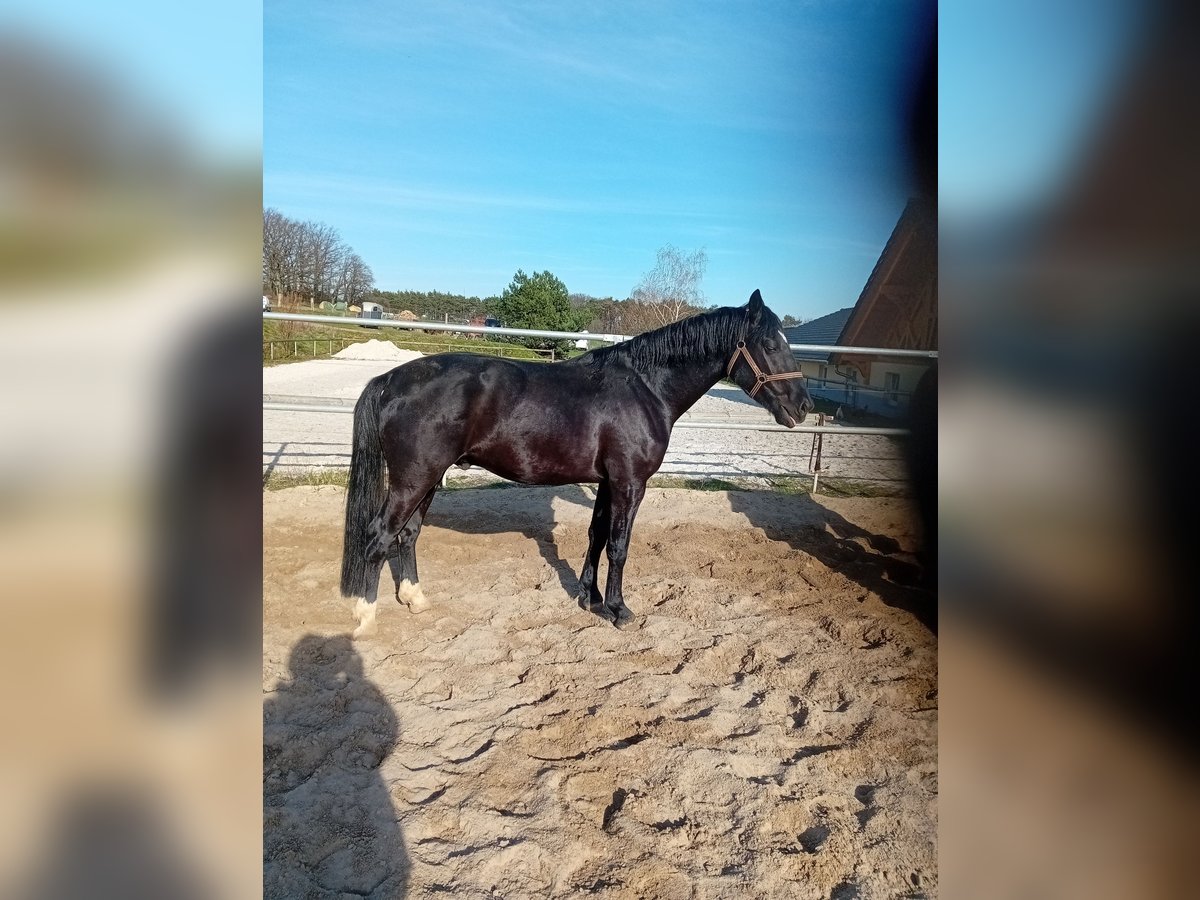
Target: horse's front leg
626	498
589	591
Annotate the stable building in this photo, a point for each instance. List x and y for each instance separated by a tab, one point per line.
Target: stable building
897	309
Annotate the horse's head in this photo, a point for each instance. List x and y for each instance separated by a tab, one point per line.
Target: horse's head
764	367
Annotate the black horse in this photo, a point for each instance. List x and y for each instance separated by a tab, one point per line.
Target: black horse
604	417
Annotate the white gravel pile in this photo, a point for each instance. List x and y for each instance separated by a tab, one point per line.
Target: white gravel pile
376	349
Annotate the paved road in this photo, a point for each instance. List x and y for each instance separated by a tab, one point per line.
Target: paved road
295	442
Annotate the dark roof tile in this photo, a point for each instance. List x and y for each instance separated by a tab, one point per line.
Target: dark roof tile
825	330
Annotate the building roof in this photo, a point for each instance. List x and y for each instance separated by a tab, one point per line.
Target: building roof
825	330
898	305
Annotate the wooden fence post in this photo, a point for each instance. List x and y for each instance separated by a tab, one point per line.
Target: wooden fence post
818	445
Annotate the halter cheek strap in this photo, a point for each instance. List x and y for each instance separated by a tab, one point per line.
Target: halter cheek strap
760	376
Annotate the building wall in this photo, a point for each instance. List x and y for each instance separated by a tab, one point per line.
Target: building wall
869	395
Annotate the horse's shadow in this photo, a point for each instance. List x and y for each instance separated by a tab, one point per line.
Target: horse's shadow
329	826
876	562
467	511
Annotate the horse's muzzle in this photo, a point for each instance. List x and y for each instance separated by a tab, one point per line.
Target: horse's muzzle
790	415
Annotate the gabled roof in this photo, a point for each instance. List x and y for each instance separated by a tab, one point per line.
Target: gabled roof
898	305
825	330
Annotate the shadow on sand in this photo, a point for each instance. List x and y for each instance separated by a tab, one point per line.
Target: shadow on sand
874	561
467	511
329	826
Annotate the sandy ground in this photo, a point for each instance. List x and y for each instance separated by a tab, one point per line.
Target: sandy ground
296	442
766	728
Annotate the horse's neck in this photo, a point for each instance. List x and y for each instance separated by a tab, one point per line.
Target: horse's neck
680	387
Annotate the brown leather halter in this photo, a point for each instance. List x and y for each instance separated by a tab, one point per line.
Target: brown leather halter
760	376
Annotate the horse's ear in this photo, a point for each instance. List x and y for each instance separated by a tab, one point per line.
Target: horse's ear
755	306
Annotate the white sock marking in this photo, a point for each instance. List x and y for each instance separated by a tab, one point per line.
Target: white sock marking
411	595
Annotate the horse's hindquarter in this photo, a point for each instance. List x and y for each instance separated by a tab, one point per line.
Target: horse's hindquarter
426	413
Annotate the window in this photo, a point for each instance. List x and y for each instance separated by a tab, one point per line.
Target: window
891	383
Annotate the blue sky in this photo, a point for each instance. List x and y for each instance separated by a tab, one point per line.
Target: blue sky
454	143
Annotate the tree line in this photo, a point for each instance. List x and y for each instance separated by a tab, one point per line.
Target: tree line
667	293
308	262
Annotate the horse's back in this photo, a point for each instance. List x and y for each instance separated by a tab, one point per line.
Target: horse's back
565	383
541	423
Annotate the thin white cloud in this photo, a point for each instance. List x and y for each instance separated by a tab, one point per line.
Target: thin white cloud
374	191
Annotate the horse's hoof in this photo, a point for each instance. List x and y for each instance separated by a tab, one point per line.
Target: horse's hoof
622	618
366	629
411	595
597	609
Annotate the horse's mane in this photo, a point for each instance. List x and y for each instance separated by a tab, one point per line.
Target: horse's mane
697	337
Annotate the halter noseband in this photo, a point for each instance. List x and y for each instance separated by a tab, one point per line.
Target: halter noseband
760	376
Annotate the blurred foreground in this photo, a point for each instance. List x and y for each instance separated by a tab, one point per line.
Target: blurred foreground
129	514
1067	452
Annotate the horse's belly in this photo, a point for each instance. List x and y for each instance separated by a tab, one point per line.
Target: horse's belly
540	474
548	461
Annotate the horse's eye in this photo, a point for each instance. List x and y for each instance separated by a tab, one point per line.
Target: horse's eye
769	346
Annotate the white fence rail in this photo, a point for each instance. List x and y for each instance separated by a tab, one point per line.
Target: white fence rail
564	335
439	326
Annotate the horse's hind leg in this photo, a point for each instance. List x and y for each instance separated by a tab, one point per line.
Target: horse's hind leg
404	572
589	590
397	509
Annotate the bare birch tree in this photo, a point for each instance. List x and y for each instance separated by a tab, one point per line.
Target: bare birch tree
322	248
282	239
357	279
671	290
308	261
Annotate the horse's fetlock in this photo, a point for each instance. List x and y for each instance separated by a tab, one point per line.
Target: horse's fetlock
364	611
411	595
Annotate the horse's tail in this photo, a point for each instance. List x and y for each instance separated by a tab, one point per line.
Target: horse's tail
366	491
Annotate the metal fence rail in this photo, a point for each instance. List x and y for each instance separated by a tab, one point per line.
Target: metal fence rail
564	335
439	326
321	405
